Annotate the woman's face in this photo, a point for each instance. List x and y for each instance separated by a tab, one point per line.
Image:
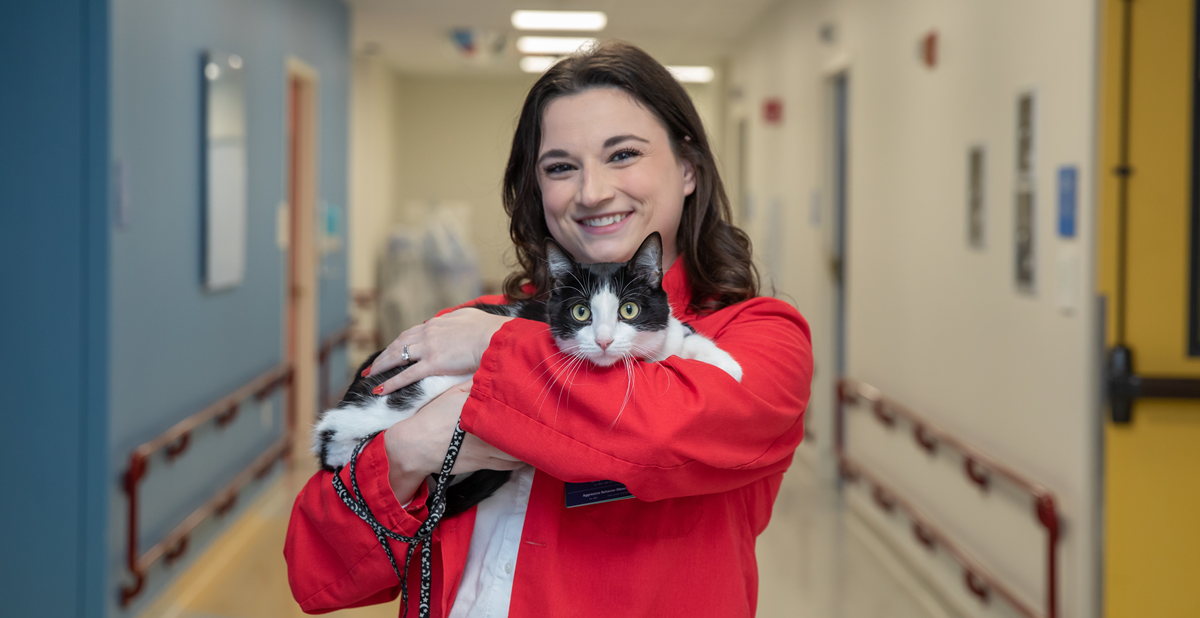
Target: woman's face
609	177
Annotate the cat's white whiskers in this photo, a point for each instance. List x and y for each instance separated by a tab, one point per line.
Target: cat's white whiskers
626	359
569	384
565	365
647	353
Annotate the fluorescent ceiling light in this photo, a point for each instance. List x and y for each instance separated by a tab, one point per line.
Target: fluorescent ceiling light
559	20
537	64
692	75
551	44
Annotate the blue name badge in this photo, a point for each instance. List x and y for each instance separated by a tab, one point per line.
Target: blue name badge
595	492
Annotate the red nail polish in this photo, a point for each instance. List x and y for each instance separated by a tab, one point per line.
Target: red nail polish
378	390
366	372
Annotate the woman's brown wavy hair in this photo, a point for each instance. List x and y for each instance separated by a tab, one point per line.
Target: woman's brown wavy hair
715	253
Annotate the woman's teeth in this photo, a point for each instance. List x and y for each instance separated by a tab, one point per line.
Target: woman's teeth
603	221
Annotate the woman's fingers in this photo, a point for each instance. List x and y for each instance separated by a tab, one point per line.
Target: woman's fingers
448	345
413	374
393	355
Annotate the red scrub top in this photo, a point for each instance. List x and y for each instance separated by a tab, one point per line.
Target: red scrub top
703	454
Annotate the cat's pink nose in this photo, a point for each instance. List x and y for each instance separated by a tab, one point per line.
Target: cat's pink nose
604	343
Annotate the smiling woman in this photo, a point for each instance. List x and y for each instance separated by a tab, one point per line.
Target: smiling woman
655	515
609	148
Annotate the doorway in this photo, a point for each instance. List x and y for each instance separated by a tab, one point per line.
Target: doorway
1148	250
837	177
300	300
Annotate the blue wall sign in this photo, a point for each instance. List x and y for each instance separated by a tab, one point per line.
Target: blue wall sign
1068	182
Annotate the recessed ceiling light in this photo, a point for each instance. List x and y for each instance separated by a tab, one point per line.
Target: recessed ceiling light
559	20
537	64
693	75
551	44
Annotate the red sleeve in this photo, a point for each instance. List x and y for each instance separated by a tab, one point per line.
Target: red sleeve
334	560
685	428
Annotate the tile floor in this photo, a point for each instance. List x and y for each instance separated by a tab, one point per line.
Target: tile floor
816	560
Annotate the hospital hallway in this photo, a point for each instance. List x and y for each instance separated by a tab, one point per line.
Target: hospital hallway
816	559
943	253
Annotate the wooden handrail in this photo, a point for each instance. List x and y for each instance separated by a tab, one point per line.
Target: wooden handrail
176	441
978	466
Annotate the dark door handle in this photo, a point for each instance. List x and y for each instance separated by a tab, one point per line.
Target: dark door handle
1124	387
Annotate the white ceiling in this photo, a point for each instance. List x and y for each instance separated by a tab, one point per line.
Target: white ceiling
413	35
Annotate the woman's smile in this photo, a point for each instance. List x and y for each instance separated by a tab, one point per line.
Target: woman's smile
604	224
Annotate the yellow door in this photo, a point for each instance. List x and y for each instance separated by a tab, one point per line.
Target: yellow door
1152	462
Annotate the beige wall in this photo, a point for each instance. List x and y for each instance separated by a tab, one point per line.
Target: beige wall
373	161
937	325
453	137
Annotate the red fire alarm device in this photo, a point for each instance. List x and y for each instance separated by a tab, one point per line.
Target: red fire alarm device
929	49
773	111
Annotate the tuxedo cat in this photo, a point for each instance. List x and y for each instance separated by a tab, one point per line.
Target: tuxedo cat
599	313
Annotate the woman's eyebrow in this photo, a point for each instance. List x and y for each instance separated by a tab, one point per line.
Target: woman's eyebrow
617	139
550	154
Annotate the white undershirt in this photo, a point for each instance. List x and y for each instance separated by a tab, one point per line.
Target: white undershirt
487	581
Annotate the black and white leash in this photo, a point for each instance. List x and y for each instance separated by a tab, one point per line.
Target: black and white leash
436	503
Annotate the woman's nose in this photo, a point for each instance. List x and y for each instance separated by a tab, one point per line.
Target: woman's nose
595	190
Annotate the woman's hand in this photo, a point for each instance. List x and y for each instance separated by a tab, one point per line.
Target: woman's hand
416	447
448	345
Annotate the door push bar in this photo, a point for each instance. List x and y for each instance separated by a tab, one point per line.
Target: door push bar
1124	387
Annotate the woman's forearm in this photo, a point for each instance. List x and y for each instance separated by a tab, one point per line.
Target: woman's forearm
404	474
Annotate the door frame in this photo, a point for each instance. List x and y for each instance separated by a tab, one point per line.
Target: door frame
300	293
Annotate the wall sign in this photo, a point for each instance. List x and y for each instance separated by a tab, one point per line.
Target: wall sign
773	111
1026	199
1068	183
976	197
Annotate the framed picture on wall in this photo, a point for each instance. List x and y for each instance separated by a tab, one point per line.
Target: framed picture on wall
977	196
1026	198
224	174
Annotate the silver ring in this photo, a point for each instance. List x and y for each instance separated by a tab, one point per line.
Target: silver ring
404	354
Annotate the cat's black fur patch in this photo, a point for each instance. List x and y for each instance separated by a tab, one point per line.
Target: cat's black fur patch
639	280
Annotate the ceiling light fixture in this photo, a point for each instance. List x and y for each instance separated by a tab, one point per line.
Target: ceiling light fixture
551	44
693	75
559	20
537	64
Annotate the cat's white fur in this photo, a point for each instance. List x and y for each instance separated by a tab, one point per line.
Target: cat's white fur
351	424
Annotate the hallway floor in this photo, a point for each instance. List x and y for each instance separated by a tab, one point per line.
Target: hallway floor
816	560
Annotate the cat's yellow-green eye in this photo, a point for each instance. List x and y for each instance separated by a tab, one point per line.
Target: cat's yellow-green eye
581	312
629	311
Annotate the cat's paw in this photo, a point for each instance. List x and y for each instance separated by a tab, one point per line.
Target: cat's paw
340	430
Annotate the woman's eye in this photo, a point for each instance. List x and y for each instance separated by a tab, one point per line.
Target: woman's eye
581	313
629	311
557	168
625	155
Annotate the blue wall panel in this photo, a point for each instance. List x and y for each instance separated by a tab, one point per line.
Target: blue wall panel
53	318
176	347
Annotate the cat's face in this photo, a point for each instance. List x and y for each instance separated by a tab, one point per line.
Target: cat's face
606	312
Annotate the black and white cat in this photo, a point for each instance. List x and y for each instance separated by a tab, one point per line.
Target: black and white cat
600	313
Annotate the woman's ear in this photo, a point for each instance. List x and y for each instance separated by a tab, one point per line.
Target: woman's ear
689	177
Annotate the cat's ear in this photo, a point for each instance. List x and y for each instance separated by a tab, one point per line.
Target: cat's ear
558	260
647	262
